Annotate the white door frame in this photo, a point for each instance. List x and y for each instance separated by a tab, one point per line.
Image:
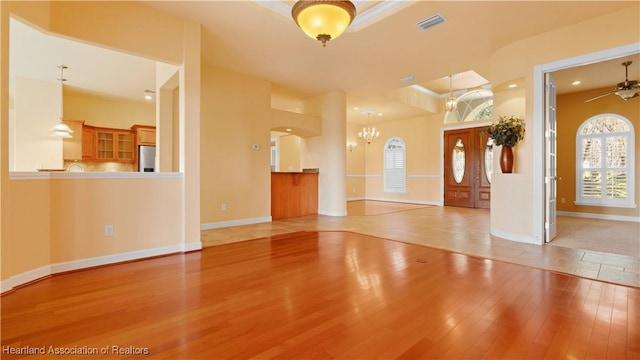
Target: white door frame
551	180
539	203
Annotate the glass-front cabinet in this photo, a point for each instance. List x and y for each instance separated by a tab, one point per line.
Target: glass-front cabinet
105	146
102	144
125	146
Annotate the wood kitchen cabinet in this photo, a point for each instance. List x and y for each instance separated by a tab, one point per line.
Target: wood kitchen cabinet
72	148
88	143
144	134
104	144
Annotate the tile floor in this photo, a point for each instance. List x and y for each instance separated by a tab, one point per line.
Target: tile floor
459	230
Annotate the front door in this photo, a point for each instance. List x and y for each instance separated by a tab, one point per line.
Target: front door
467	168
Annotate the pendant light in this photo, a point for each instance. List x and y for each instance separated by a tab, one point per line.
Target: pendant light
451	103
323	20
368	134
61	129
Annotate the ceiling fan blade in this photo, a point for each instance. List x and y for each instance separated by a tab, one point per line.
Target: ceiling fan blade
601	96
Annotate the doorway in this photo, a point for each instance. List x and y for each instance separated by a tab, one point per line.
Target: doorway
468	164
542	213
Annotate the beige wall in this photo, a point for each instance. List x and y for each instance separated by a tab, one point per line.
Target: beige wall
289	153
141	219
29	227
516	61
572	112
57	221
235	115
422	138
126	26
69	214
356	170
510	192
36	109
108	112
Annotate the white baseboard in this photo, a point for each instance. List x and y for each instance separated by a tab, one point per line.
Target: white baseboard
24	278
404	201
332	213
193	246
52	269
600	216
515	237
230	223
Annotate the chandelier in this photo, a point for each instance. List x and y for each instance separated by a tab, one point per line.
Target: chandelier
368	134
61	129
451	103
323	19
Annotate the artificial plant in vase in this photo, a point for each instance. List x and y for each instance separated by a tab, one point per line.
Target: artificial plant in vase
506	132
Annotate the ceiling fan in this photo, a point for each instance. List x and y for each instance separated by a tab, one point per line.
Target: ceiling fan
626	90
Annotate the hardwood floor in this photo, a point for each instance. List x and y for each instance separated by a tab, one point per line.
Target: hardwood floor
459	230
324	295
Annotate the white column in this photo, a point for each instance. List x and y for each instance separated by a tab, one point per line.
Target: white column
190	132
328	152
5	259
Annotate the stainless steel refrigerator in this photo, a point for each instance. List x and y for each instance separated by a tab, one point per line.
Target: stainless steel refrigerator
146	158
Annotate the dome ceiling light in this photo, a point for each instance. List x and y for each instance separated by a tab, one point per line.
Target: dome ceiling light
148	94
323	19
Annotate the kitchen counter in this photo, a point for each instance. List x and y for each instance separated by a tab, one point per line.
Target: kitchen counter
44	175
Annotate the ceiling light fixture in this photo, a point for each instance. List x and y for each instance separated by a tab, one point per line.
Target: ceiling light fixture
148	94
627	89
323	19
368	134
451	103
626	94
61	129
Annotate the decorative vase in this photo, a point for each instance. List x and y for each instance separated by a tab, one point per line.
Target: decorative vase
506	159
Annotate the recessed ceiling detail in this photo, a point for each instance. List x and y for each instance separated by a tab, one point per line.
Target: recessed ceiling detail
368	12
461	81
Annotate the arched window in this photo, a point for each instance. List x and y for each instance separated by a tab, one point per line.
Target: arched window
395	166
604	162
476	105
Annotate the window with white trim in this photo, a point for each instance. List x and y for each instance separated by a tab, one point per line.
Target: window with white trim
605	165
395	166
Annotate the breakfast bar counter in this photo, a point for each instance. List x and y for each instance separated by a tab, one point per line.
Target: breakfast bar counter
293	194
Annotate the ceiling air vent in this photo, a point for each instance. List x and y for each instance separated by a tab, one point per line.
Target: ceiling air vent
430	22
